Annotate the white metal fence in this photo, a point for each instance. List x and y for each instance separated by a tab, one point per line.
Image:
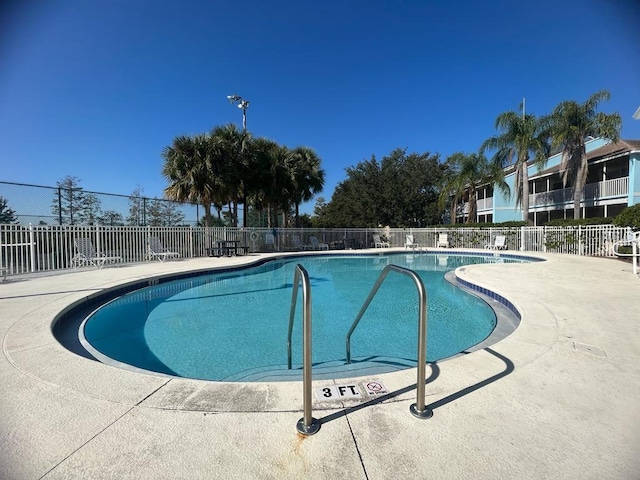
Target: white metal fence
42	248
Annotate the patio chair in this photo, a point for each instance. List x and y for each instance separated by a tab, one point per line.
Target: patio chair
498	244
157	251
297	243
316	245
87	255
411	243
443	240
378	243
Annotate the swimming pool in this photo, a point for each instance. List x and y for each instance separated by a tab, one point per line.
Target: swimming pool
232	326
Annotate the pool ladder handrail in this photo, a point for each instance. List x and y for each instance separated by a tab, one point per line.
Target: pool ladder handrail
417	409
633	241
307	425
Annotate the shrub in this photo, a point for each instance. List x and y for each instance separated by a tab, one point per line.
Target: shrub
629	217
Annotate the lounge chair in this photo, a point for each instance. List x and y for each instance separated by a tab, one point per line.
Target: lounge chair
443	240
87	255
157	251
296	243
378	243
498	244
315	245
411	243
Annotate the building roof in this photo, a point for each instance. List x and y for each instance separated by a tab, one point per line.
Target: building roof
620	147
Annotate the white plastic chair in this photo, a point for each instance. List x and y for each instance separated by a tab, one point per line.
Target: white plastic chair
316	245
498	244
157	251
411	243
87	255
378	243
443	240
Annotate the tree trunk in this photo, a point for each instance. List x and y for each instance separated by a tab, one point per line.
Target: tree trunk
577	194
525	193
454	210
207	214
472	207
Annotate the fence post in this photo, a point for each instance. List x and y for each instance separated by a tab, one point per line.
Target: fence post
32	248
59	206
522	238
191	239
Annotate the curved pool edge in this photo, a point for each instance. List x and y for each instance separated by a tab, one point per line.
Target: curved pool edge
31	347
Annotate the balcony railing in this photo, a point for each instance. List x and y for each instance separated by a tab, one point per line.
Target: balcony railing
618	187
481	205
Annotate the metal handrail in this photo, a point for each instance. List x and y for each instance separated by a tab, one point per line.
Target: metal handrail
633	240
418	409
307	425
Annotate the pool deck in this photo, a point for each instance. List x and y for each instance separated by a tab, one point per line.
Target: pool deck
559	398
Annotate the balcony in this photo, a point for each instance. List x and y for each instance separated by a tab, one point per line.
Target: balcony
482	205
618	187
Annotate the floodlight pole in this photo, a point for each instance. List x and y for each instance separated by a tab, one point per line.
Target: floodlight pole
243	104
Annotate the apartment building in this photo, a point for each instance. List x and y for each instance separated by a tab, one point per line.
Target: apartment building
613	183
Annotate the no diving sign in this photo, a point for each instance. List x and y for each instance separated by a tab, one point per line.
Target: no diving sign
375	388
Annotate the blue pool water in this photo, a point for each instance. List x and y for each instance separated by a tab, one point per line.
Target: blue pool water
225	326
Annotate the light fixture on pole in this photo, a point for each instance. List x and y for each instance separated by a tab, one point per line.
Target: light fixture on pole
243	104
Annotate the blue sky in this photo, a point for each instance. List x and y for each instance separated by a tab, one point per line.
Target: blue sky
96	89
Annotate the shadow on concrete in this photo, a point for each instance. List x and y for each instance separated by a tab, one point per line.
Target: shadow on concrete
435	373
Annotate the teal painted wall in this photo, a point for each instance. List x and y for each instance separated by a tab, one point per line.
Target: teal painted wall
504	209
634	178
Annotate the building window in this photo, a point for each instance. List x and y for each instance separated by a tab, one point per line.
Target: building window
618	168
614	210
591	212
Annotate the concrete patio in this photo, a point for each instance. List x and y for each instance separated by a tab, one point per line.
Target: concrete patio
559	398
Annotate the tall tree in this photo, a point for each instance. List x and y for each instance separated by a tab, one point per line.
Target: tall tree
272	183
230	165
452	186
111	218
571	124
72	205
307	176
189	168
474	171
523	138
136	208
7	215
401	190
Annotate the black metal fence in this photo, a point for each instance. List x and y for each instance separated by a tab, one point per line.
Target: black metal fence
41	205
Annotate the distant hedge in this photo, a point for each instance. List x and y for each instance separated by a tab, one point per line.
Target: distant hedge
570	222
482	225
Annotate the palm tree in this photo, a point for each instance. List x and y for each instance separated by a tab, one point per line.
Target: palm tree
273	180
229	146
571	123
308	177
522	137
188	168
470	172
452	187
